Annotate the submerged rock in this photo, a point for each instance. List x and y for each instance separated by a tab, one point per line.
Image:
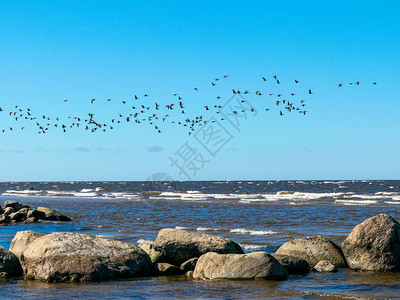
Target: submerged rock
22	239
293	265
180	245
325	266
374	245
239	266
314	249
9	263
73	257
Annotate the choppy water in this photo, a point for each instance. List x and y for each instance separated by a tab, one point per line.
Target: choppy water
260	215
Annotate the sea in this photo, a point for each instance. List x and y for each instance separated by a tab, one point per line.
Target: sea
259	215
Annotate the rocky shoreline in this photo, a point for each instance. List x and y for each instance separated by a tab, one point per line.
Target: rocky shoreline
373	245
17	212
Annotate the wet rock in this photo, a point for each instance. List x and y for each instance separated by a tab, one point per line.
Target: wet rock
36	214
15	205
22	239
5	219
52	215
9	263
293	265
180	245
374	245
155	256
189	274
18	217
9	210
314	249
189	265
1	210
325	266
163	269
73	257
239	266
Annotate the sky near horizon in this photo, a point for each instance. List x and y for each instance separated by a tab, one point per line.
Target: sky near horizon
80	50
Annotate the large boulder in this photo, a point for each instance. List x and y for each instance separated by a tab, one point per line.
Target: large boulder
178	245
374	245
293	265
52	215
73	257
22	239
9	263
314	249
239	266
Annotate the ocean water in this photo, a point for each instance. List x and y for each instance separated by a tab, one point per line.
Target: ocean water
259	215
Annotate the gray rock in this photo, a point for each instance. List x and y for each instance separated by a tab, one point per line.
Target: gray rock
189	265
15	205
155	256
73	257
22	239
325	266
374	245
293	265
164	269
180	245
36	214
314	249
5	219
9	263
9	210
17	217
239	266
52	215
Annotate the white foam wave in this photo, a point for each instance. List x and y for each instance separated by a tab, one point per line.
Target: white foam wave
254	232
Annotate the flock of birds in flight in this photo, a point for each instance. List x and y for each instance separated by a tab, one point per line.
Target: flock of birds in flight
154	114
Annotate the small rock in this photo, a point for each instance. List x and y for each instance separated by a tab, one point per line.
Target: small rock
155	256
52	215
17	217
293	265
35	213
189	265
15	205
163	269
189	274
31	220
9	210
5	219
325	266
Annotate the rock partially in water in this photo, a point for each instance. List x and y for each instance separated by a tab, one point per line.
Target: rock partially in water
15	205
5	219
155	256
293	265
325	266
52	215
239	266
9	263
164	269
180	245
18	217
314	249
22	239
374	245
8	210
73	257
189	265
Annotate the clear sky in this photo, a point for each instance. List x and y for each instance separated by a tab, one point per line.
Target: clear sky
79	50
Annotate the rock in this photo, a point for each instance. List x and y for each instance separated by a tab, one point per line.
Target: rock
239	266
180	245
163	269
22	239
17	217
9	263
155	256
52	215
31	220
5	219
73	257
314	249
24	210
36	214
15	205
189	265
324	266
9	210
189	274
374	245
293	265
1	210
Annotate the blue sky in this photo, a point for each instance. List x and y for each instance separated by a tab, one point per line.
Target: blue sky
79	50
